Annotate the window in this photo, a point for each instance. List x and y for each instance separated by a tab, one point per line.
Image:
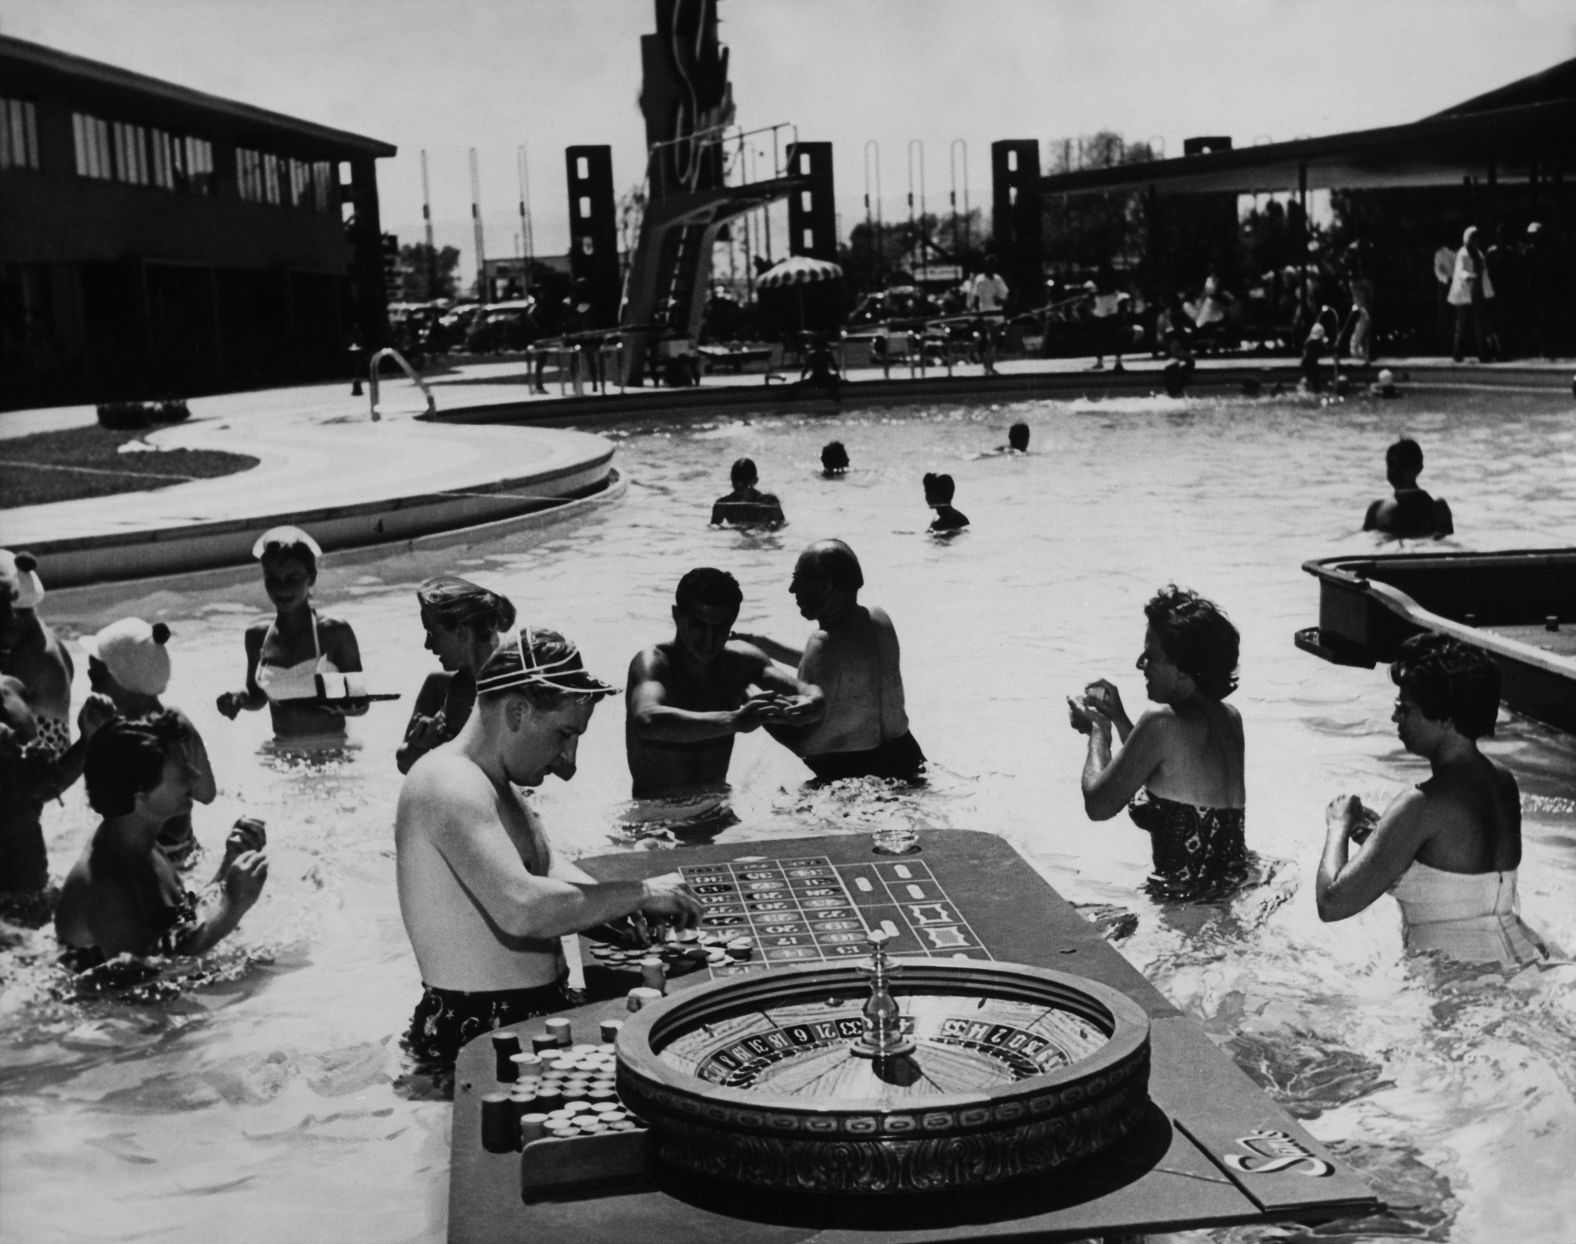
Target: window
195	174
323	197
270	177
131	153
161	152
91	138
18	134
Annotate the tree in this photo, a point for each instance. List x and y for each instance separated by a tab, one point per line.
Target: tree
1083	230
879	255
426	274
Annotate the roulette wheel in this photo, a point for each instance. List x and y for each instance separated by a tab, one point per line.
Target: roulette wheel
842	1077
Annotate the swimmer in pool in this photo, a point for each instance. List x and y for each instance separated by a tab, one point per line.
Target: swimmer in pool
285	655
483	900
463	621
689	697
746	505
1411	512
939	491
123	896
851	661
1449	848
1017	439
1181	765
128	661
834	460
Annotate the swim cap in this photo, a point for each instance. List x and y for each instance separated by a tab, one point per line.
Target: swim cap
285	539
134	654
18	570
540	659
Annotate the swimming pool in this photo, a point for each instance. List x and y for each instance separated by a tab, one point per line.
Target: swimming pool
267	1103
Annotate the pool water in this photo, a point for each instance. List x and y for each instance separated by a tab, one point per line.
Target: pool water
265	1097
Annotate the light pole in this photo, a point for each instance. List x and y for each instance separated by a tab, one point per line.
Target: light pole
924	256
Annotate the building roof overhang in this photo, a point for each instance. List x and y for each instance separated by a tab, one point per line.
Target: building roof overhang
112	78
1518	133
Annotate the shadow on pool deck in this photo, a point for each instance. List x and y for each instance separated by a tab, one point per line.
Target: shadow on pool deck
326	465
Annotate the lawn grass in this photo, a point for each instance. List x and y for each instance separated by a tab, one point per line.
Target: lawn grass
85	462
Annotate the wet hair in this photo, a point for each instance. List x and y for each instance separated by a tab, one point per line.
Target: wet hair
542	666
126	759
939	489
837	562
1197	638
1405	457
834	457
707	586
455	602
743	472
1018	435
1450	681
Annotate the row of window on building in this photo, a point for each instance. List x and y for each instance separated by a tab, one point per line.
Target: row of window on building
141	155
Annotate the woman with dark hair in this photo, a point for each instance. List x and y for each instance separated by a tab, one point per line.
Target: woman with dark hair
463	621
290	660
1181	764
123	896
1448	849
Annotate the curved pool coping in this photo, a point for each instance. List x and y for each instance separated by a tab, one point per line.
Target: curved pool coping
394	486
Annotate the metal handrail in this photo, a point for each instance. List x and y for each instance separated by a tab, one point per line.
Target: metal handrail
389	352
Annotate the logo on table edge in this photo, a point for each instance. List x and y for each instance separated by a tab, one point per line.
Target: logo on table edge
1271	1152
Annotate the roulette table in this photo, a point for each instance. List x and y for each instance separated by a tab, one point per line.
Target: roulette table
933	1046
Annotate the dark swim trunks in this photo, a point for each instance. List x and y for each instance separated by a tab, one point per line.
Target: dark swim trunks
896	758
445	1019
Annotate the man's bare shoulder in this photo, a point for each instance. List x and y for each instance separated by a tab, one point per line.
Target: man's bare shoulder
443	787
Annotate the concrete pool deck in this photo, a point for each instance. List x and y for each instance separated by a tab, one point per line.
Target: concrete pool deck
324	464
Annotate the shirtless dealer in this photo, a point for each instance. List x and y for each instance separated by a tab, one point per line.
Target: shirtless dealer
687	698
851	662
482	899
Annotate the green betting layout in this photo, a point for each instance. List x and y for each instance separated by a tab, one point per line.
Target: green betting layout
810	910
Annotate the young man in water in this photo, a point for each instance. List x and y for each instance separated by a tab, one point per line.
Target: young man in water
482	898
1411	512
746	505
123	896
851	660
689	697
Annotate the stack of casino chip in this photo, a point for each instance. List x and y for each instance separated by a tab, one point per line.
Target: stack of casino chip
566	1091
688	950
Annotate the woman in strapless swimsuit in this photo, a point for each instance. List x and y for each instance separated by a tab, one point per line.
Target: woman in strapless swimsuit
1181	764
1447	850
286	655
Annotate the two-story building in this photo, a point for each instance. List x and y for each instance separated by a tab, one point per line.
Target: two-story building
158	241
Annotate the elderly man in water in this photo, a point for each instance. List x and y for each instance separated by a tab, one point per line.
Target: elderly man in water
851	662
483	900
690	696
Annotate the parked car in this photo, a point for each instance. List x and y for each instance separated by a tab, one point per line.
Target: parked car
500	326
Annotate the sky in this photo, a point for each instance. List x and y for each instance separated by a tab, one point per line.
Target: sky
909	77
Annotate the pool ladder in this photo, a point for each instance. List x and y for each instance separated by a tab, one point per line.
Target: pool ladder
389	352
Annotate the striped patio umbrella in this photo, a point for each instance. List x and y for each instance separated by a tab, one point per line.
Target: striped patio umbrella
798	270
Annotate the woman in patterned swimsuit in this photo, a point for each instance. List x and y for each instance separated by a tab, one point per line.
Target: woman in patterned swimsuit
1181	764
